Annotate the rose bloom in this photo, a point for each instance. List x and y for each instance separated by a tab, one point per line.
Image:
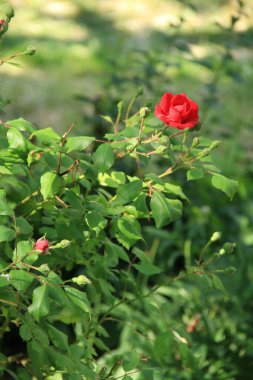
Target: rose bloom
177	111
41	245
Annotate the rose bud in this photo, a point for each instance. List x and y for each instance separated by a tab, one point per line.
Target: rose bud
177	111
41	245
2	22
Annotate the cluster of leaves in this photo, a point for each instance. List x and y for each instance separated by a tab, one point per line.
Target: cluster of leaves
94	200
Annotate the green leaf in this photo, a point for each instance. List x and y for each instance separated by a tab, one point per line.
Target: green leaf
164	210
24	228
147	268
176	190
78	298
4	281
21	279
114	179
126	193
164	345
228	186
103	157
21	124
6	234
131	361
112	249
95	221
58	338
129	227
36	354
25	332
78	143
4	170
217	283
51	184
22	250
194	174
40	306
16	140
4	206
45	136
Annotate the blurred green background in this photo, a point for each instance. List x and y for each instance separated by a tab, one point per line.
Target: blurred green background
93	53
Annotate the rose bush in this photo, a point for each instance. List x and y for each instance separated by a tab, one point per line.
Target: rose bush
102	305
177	111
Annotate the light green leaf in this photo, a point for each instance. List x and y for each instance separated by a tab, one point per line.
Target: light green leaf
147	268
95	221
131	361
21	279
22	250
46	136
51	184
228	186
6	234
78	143
4	206
40	306
103	157
164	210
21	124
4	281
114	179
129	227
16	140
194	174
23	226
78	298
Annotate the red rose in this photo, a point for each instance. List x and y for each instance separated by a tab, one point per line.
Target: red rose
41	245
177	111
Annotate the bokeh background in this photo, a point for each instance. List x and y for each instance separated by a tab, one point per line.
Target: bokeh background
93	53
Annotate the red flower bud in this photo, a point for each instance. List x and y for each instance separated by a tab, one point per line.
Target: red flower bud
41	245
2	22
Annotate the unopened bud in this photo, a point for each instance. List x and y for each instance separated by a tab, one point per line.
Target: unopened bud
30	50
216	236
41	245
229	247
195	142
81	280
10	12
144	111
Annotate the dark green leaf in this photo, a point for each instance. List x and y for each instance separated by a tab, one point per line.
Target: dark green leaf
147	268
164	210
127	192
40	306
